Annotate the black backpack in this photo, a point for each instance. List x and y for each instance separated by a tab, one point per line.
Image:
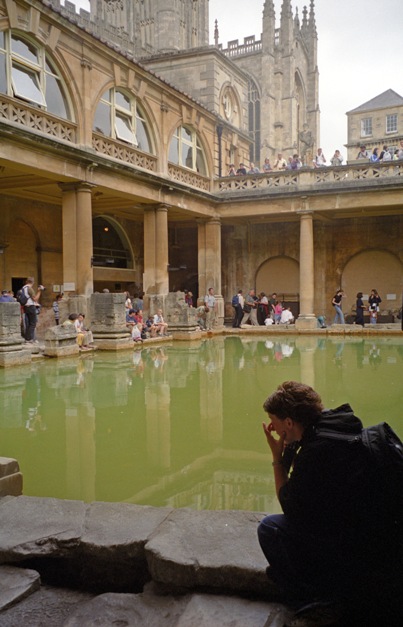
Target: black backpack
22	297
384	451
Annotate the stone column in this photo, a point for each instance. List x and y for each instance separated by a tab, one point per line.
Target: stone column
69	226
155	280
85	279
306	318
209	262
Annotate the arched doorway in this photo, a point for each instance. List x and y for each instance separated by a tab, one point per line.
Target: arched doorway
280	275
112	257
374	269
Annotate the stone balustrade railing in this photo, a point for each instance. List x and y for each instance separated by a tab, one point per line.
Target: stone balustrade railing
36	120
308	178
188	177
109	147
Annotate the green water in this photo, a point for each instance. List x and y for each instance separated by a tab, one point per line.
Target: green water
180	426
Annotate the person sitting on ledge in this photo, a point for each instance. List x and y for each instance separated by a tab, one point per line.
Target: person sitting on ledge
160	324
332	553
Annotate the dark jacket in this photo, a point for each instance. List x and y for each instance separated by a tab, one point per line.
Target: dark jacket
329	485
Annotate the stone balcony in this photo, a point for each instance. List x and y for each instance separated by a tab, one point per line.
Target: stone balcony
343	178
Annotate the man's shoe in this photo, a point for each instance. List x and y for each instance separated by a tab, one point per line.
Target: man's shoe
318	614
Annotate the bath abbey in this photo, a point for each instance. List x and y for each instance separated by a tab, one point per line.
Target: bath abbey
140	153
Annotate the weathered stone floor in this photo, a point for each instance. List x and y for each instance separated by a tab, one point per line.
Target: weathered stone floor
122	564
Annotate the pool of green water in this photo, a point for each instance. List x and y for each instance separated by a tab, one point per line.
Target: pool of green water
180	425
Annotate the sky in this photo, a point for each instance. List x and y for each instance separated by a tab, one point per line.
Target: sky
360	51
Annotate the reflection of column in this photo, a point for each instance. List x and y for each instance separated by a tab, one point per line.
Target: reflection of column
211	401
80	454
306	318
155	280
85	279
158	421
307	347
209	261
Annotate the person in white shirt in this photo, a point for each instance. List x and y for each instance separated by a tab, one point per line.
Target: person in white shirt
319	160
286	316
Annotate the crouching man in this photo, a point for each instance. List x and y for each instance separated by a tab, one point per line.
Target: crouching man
327	551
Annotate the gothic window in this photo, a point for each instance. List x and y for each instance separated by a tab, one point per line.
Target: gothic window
391	123
185	150
118	115
366	127
27	73
254	120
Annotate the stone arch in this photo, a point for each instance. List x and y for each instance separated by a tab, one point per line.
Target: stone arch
111	246
373	269
278	274
23	253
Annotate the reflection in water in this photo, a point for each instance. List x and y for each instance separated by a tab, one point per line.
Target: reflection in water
180	425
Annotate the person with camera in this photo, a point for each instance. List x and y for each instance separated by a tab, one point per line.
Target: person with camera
31	307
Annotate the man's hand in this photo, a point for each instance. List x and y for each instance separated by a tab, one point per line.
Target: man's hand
276	446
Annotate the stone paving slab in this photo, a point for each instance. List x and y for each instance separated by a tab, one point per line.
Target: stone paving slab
16	584
48	607
37	527
209	550
191	610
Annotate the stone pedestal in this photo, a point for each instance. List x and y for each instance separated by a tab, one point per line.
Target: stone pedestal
181	319
61	341
10	477
108	322
13	351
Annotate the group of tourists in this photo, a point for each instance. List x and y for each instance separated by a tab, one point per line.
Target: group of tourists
374	301
140	328
295	161
381	155
259	310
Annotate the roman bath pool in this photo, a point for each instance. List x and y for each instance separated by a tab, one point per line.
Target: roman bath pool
179	425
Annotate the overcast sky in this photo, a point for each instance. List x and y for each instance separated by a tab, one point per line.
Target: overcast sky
360	51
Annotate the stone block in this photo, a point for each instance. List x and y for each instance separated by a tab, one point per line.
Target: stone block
10	324
195	550
16	584
112	545
39	527
11	485
8	466
61	341
15	358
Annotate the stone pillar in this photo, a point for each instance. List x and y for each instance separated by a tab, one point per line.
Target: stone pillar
108	322
209	262
13	351
155	279
85	279
306	318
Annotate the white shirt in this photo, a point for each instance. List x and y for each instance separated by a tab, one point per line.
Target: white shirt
286	316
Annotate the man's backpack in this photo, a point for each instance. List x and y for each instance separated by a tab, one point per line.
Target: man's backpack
22	296
235	300
384	451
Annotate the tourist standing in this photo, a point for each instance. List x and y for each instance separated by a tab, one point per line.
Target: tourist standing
30	307
363	153
211	303
250	309
374	301
336	302
319	161
56	309
337	158
238	310
359	309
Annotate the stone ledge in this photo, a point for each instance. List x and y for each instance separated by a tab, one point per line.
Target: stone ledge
117	547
